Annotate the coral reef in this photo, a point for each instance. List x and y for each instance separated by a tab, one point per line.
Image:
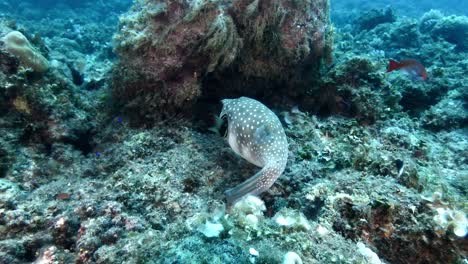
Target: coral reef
374	17
376	168
453	29
345	11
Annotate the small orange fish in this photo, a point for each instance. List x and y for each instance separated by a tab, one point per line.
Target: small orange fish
413	67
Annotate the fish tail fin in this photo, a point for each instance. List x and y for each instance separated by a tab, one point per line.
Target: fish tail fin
255	185
392	65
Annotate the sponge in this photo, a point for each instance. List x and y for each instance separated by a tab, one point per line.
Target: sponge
18	45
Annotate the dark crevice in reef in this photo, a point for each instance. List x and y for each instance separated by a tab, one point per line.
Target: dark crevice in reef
229	84
77	76
217	87
312	211
4	162
82	141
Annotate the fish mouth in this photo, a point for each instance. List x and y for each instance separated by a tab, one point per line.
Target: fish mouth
224	111
224	127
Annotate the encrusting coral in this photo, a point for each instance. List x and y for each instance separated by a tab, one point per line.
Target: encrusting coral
17	44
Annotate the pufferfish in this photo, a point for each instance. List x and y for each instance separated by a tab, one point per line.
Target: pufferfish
255	133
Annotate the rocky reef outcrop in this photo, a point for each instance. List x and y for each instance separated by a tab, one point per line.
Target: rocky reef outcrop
172	52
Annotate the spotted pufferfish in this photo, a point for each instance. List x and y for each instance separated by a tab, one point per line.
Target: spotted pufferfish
255	133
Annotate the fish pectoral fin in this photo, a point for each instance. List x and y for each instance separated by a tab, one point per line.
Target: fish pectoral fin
262	134
255	185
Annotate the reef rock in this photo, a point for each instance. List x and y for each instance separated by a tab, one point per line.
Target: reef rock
168	48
